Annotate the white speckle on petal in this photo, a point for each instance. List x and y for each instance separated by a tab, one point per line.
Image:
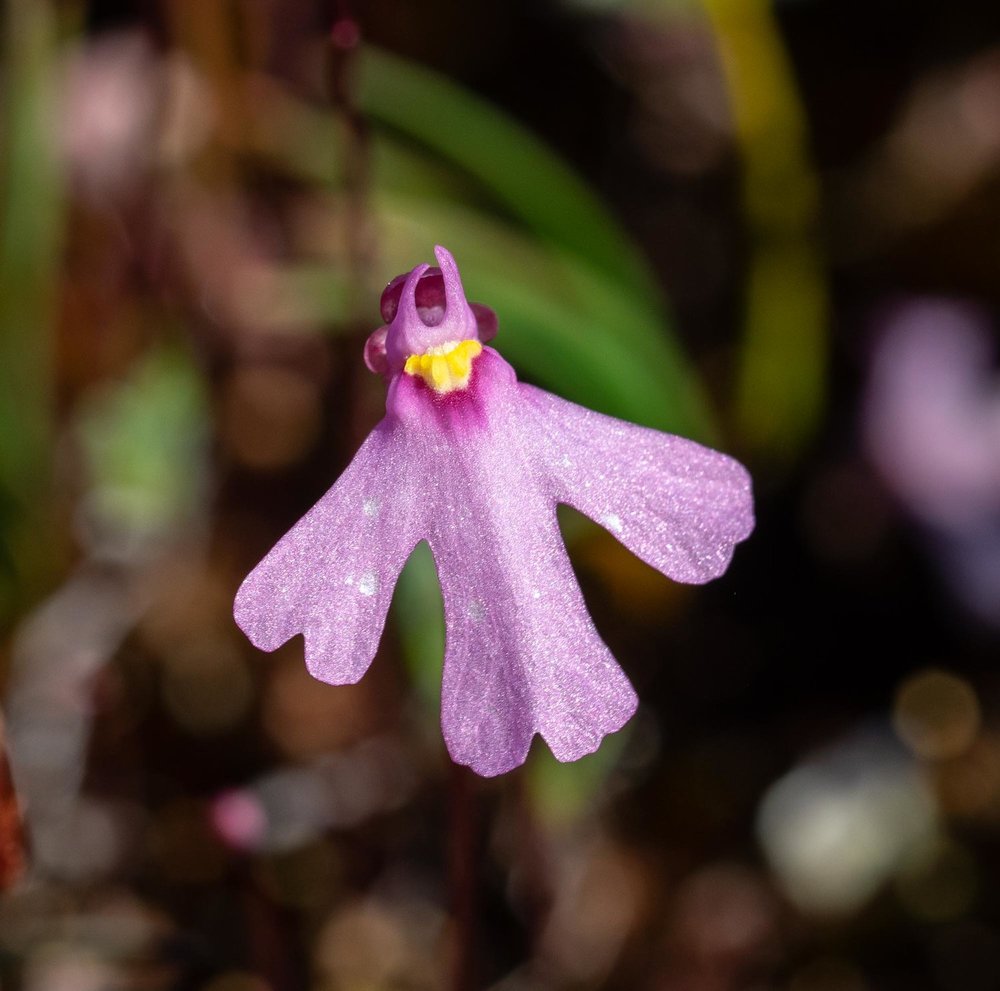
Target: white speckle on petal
370	507
476	612
349	580
613	522
535	594
367	584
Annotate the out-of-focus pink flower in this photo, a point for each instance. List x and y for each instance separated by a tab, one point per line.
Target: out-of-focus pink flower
474	462
109	102
933	413
124	109
932	426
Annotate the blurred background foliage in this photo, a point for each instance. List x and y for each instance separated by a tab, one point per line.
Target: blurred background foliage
771	226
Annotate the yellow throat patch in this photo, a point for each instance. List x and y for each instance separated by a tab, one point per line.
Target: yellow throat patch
445	367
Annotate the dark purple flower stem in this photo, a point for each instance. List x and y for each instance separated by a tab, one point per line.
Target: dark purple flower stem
344	42
345	46
463	859
536	895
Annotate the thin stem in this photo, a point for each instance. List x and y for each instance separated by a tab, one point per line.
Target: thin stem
345	44
535	869
463	861
359	237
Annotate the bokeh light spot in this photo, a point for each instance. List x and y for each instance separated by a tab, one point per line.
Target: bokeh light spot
936	714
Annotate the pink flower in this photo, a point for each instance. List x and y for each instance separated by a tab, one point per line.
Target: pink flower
474	462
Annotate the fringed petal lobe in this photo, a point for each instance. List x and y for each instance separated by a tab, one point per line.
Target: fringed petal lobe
522	655
679	506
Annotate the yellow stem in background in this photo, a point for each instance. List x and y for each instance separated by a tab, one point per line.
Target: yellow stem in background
782	367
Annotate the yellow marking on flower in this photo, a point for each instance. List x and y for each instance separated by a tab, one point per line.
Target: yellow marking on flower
445	367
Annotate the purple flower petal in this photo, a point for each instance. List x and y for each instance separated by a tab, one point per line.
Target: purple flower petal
679	506
428	296
522	655
374	353
486	322
331	577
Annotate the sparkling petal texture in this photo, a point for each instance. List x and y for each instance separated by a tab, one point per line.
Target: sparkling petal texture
679	506
522	655
478	472
331	577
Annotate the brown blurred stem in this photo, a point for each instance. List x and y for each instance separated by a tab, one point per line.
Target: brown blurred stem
536	895
345	46
462	869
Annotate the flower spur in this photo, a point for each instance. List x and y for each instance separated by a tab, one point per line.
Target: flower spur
475	462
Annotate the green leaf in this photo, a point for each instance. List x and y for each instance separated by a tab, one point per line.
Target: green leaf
310	143
783	365
563	792
532	183
30	231
577	307
144	442
419	613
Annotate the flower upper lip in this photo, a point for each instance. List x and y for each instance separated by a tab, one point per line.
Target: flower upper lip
425	308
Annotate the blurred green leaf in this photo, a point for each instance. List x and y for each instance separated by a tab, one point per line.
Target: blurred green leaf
578	309
419	611
781	378
32	208
533	183
563	792
782	383
562	323
310	142
31	212
144	442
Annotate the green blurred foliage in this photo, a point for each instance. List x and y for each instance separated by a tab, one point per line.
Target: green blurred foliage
781	378
579	310
144	443
31	235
